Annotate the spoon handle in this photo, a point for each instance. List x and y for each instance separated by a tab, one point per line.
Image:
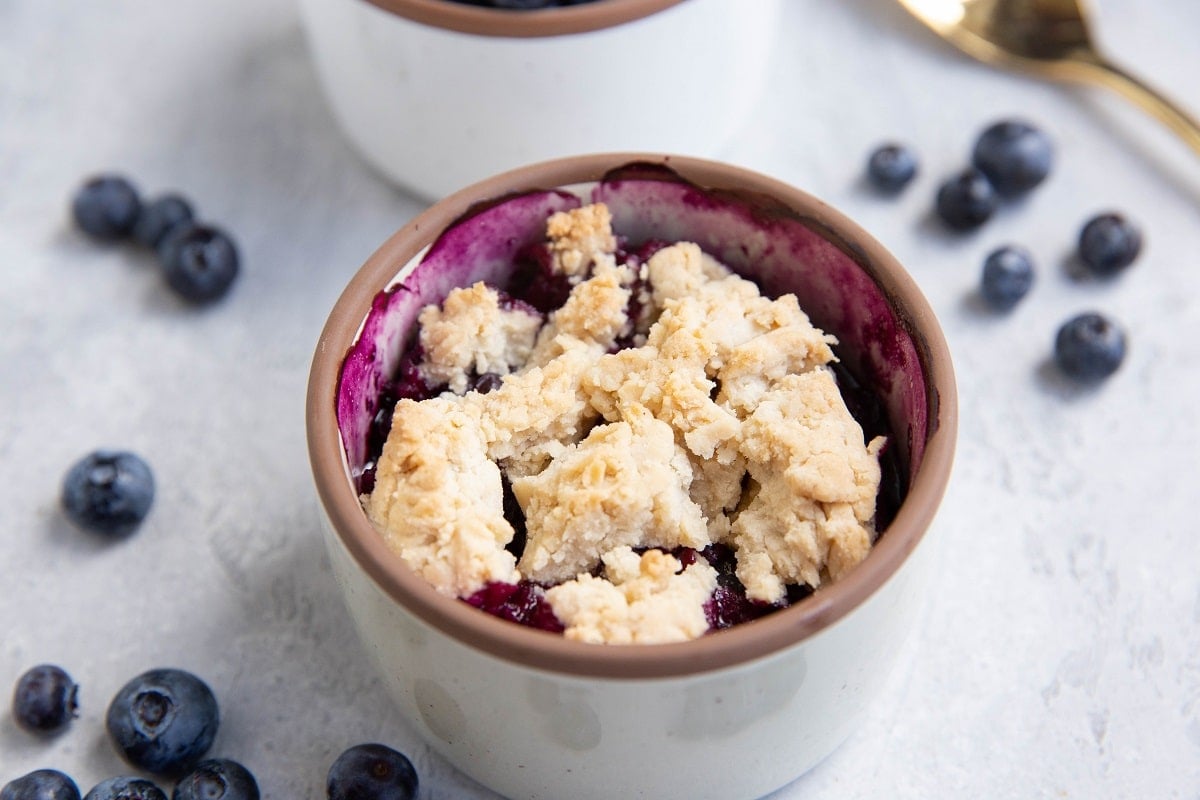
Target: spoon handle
1151	101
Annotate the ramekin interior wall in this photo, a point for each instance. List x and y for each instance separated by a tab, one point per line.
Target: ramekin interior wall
760	240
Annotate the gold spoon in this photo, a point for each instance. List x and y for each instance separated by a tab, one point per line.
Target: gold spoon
1049	38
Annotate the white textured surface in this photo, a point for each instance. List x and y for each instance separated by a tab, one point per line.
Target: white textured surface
1060	654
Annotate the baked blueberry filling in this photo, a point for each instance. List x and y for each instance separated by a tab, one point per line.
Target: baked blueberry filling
535	287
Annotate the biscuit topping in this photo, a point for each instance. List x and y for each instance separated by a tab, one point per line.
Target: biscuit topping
726	426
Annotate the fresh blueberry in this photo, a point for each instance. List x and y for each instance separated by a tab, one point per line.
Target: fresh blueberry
1014	155
159	216
1007	276
125	788
1089	347
200	262
45	700
106	207
967	200
891	167
163	721
217	779
1109	243
108	492
371	772
41	784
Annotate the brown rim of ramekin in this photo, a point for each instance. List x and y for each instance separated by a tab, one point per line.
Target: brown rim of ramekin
544	651
481	21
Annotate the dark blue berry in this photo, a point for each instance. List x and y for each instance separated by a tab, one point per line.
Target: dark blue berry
891	167
1007	276
487	382
125	788
1109	243
967	200
217	779
200	262
159	217
106	207
371	772
41	784
108	492
45	700
1089	347
1014	155
163	721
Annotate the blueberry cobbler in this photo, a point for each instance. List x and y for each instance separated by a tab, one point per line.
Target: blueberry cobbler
623	444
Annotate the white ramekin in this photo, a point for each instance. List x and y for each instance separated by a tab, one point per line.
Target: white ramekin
438	95
735	714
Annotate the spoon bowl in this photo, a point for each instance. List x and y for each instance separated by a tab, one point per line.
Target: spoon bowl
1047	38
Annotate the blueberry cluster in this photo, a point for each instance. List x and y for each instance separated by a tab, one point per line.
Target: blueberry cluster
198	261
1009	159
163	722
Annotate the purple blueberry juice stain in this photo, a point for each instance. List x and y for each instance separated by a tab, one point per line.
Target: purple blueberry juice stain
524	603
534	280
864	405
479	246
500	242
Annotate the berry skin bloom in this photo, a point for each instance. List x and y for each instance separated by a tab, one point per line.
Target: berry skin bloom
967	200
125	787
108	492
1007	277
200	262
106	207
371	772
1108	243
41	784
1089	347
1014	155
45	700
217	778
163	721
891	167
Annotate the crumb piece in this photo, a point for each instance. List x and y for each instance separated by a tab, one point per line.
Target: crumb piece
470	334
679	270
717	489
754	367
718	334
577	236
535	414
437	500
641	600
596	312
625	484
812	517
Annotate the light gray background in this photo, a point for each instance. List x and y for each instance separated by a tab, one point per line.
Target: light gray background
1059	653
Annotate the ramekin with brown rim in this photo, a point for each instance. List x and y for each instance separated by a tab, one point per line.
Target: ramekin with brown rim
438	94
736	713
